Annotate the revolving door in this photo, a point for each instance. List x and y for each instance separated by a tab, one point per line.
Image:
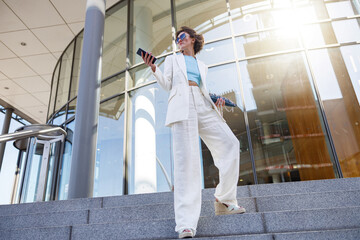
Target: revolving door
37	164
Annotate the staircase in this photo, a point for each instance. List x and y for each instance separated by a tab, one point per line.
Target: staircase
321	209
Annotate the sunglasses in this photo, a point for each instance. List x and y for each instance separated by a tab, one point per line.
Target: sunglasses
182	37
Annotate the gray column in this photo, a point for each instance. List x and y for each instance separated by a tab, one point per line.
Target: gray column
5	130
88	100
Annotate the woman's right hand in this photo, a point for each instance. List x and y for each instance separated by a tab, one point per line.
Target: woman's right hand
148	58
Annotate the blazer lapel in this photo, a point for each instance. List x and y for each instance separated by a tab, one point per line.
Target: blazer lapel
180	59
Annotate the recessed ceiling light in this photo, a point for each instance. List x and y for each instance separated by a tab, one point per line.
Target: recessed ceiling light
23	43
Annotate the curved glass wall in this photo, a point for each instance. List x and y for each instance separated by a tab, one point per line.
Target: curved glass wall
292	67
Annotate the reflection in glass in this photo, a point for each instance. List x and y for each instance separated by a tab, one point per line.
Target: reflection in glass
109	154
149	143
217	52
65	165
59	117
222	80
150	28
112	86
77	63
209	18
248	16
29	191
287	131
315	35
338	9
142	74
347	31
64	78
114	46
71	109
267	42
339	89
53	90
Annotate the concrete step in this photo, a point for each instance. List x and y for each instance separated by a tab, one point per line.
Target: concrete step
247	192
166	210
61	233
248	223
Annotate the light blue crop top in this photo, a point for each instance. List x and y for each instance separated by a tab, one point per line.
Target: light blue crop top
192	68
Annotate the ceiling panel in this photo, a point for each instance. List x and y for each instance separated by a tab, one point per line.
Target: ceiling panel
13	41
47	78
34	14
5	52
15	68
54	38
76	27
42	96
24	100
46	27
75	13
8	20
33	84
2	77
41	64
8	87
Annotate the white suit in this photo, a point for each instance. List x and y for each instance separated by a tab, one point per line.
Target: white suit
175	80
191	113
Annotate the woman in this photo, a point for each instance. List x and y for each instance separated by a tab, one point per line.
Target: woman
191	113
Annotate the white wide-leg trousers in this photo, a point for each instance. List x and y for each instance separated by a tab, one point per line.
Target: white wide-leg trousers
224	147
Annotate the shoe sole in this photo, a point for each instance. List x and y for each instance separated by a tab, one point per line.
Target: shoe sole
186	235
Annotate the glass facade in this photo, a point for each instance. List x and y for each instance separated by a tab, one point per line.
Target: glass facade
292	67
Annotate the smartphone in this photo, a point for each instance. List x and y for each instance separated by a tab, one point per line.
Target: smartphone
144	52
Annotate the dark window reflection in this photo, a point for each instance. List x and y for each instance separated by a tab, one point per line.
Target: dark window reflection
287	131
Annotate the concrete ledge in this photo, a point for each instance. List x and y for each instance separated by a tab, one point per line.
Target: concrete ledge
54	233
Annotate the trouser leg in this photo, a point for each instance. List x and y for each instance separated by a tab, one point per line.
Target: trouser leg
225	150
187	171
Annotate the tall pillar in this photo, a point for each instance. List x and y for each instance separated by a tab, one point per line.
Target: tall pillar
88	101
5	130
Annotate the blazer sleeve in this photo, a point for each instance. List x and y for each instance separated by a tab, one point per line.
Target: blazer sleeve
165	78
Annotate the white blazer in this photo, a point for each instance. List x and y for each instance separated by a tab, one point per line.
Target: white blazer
174	79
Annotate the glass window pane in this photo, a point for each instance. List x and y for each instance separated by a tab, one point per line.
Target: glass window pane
109	155
317	35
347	31
341	8
64	79
256	15
149	141
112	86
222	80
114	47
59	117
217	52
53	90
72	108
65	165
142	74
339	89
209	18
283	39
150	28
287	130
77	62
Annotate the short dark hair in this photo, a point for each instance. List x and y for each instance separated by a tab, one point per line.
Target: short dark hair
199	39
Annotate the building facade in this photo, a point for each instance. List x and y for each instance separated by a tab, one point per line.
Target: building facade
292	67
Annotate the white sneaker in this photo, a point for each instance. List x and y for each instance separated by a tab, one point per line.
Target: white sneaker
186	233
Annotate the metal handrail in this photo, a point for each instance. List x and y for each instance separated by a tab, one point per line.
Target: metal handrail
28	133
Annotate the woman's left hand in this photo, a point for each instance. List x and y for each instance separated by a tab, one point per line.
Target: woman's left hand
219	102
